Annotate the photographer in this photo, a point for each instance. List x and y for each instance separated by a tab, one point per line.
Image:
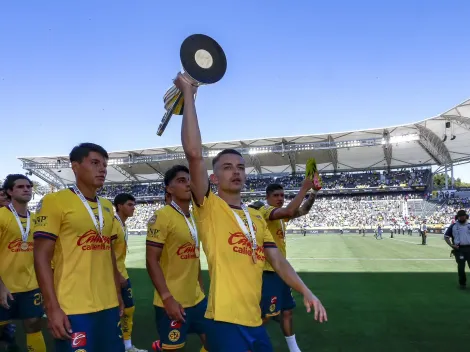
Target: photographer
457	237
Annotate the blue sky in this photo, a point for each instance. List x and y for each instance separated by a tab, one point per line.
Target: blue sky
97	70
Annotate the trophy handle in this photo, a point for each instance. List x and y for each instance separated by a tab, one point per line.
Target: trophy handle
166	118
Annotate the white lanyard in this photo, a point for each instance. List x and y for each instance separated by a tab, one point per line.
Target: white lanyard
282	227
99	227
191	225
24	232
249	234
124	228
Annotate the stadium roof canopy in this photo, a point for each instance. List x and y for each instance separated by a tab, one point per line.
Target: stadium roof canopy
441	140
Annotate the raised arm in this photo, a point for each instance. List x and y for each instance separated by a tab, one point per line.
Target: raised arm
292	209
308	204
191	141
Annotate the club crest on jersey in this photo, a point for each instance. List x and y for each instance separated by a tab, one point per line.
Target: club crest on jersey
174	335
153	220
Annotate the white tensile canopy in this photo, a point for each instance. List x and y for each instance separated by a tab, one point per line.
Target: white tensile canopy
440	140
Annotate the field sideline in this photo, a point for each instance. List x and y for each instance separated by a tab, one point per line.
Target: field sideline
387	295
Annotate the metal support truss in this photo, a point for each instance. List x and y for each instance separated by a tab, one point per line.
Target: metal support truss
387	148
433	145
48	177
125	173
333	154
460	115
253	159
463	122
292	161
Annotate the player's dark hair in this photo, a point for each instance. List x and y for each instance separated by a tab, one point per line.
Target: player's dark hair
273	187
224	152
10	180
82	150
171	173
122	198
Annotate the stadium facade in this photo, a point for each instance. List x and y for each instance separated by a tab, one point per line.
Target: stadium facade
443	140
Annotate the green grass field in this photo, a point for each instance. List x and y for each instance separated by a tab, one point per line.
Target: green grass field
381	295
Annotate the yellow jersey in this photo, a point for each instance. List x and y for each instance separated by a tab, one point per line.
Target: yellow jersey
235	290
83	268
120	247
277	229
168	229
17	261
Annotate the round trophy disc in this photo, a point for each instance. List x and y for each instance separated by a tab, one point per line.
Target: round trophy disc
203	59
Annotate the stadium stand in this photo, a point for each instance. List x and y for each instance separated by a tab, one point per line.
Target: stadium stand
369	177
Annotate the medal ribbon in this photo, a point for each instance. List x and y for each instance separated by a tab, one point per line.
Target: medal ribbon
191	225
124	228
24	232
99	227
283	229
249	234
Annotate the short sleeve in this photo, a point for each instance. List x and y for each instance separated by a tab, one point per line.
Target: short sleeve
48	218
268	240
448	232
117	228
157	230
266	211
2	222
202	211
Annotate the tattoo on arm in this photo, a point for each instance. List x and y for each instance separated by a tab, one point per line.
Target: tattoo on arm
305	208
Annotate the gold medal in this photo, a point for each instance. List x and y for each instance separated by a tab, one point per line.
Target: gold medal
196	252
253	256
24	246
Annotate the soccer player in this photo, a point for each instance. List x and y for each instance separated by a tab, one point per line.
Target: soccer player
82	297
236	242
174	267
125	206
20	298
7	330
276	296
3	198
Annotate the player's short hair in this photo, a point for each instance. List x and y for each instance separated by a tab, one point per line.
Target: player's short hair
82	150
273	187
224	152
10	180
171	173
122	198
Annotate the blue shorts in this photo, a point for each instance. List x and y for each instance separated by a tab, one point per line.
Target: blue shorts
276	296
229	337
127	296
172	333
100	331
25	305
